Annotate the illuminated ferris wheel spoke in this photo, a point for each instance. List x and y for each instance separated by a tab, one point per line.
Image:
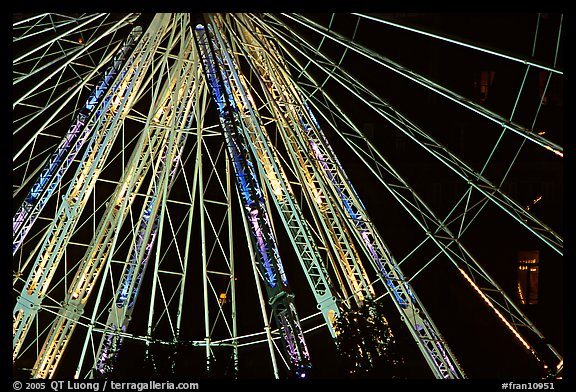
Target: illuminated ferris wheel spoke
529	134
97	256
277	288
527	60
76	70
437	230
132	275
106	127
484	202
336	232
441	361
143	239
67	59
432	146
66	152
283	196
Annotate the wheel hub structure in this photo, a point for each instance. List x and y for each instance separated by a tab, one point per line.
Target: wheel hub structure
211	195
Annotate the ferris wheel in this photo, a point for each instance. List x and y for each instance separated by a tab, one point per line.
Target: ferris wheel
218	190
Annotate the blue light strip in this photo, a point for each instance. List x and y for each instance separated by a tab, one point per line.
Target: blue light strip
245	172
134	271
279	296
356	215
110	348
144	223
389	269
294	339
66	151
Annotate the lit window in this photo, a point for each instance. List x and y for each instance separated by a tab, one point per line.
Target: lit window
483	83
528	266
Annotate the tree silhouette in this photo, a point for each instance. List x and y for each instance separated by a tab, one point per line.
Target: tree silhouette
366	343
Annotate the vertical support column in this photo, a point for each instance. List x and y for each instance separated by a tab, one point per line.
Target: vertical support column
279	296
312	140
